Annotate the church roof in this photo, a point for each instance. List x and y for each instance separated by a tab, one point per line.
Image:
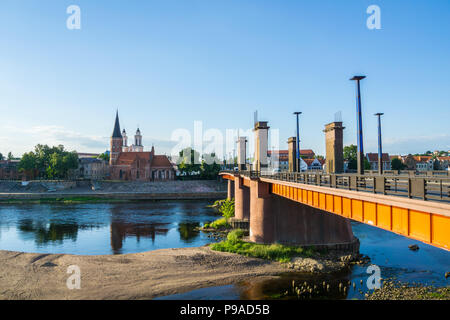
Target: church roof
161	161
127	158
116	132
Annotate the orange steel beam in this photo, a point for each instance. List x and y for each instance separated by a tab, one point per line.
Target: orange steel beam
425	221
228	177
245	180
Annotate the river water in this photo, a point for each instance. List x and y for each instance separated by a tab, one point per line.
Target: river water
103	228
120	228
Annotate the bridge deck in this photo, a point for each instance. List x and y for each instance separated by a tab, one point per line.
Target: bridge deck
402	213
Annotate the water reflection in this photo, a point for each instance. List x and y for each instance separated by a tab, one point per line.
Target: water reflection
188	231
103	228
49	232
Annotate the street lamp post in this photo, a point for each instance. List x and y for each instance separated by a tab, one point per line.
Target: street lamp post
297	162
380	148
360	151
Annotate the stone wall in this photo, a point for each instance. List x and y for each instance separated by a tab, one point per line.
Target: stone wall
110	189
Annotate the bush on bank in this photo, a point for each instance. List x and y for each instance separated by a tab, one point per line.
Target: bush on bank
276	252
226	208
221	223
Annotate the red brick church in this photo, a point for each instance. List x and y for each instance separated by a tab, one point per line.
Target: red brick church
132	162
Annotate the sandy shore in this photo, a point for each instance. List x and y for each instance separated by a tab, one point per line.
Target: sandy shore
132	276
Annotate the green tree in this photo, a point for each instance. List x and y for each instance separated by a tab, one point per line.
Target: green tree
104	156
436	165
189	162
396	164
49	162
366	164
1	156
350	152
210	168
350	155
10	156
28	162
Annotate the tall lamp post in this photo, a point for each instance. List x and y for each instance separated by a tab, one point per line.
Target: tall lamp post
360	152
297	162
380	148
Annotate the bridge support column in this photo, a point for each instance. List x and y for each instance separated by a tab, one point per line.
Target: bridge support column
241	200
262	216
274	219
230	191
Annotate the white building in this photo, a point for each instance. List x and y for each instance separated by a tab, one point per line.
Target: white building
424	165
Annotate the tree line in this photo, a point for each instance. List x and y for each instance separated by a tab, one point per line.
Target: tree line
49	162
193	166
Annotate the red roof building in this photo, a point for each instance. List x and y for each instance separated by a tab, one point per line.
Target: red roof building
373	160
133	163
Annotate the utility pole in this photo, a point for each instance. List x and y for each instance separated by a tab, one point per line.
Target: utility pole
297	162
360	151
380	148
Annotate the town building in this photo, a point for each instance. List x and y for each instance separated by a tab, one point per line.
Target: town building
87	155
280	158
424	165
92	168
443	162
373	161
9	170
315	164
132	162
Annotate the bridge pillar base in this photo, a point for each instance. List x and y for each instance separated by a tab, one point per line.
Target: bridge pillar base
243	224
241	200
230	190
262	216
274	219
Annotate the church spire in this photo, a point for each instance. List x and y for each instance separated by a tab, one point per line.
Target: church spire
116	132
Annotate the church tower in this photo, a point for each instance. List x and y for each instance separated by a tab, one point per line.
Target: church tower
125	141
137	146
116	142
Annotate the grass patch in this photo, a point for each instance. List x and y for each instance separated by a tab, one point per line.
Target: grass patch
276	252
219	224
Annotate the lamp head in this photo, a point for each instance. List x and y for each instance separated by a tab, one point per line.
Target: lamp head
357	78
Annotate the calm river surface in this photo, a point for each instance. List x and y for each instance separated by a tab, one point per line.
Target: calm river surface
96	229
119	228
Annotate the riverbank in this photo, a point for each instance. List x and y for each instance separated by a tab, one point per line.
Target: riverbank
132	276
109	191
142	275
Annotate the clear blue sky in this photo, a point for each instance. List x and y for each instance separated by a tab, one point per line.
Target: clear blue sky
167	63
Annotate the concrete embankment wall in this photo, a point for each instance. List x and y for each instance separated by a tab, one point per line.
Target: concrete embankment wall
171	190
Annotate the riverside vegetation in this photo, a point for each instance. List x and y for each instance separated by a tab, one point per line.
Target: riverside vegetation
226	208
235	243
277	252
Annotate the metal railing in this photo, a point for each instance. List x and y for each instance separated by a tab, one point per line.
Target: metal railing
428	188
